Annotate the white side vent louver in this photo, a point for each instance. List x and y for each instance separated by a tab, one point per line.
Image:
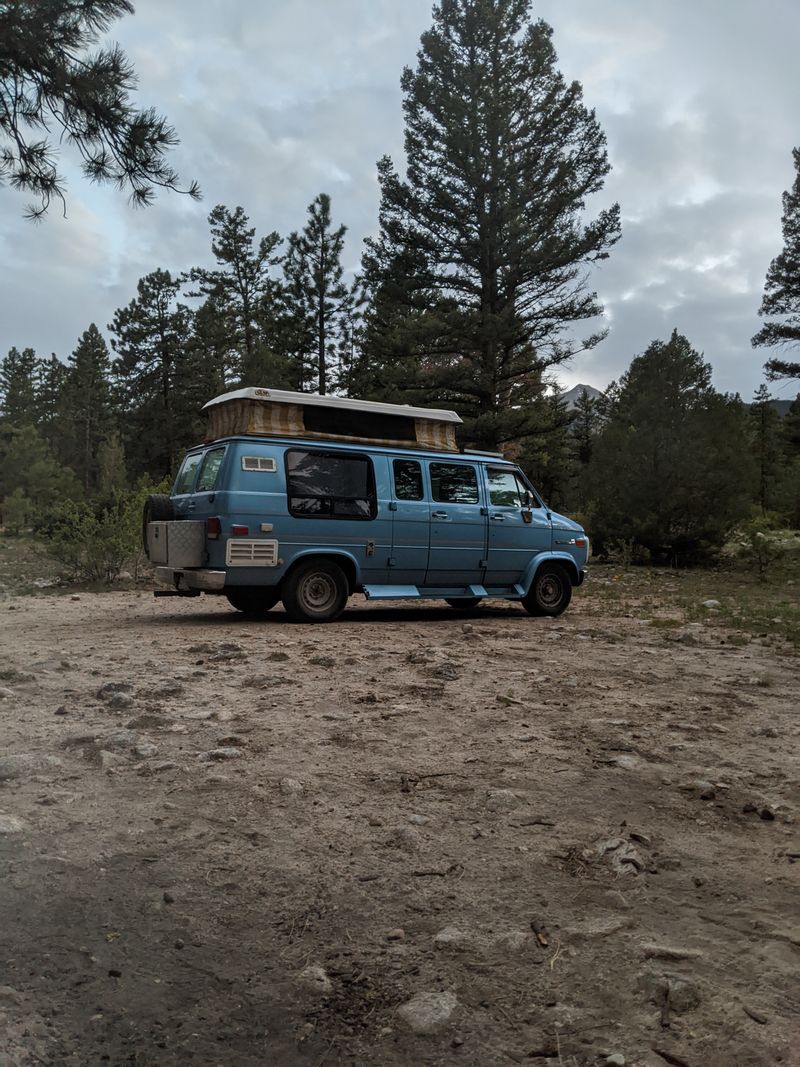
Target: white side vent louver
241	553
259	463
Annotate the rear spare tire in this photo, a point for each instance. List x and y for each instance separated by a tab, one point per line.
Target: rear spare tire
157	508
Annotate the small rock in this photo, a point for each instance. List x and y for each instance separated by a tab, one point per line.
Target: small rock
711	605
179	942
427	1013
60	710
168	897
418	820
145	749
74	597
218	754
119	701
315	978
396	935
451	937
110	688
11	824
322	661
616	1059
406	838
501	800
5	694
109	761
291	787
767	814
114	972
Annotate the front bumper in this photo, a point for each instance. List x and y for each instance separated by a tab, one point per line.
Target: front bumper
582	572
205	581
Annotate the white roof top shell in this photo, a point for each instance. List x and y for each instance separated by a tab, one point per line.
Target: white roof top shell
282	396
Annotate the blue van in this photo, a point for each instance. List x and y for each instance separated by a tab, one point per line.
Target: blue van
308	499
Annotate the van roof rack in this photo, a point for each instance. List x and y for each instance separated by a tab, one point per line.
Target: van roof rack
483	452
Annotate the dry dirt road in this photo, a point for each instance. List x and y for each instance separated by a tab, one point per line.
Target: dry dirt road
411	837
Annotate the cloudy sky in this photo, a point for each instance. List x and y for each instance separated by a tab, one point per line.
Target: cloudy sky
278	100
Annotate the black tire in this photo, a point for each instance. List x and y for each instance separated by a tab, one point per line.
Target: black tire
463	603
315	591
157	508
257	601
551	591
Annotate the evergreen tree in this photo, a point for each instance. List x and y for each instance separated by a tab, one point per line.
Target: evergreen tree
150	338
88	405
765	432
782	288
241	288
19	373
316	291
49	76
111	473
502	157
50	398
583	429
29	469
671	469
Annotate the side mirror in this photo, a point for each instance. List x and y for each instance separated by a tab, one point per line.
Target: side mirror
527	499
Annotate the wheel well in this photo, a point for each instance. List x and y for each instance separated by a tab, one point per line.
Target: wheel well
569	566
347	565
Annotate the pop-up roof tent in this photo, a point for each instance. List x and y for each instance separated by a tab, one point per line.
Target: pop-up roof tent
276	413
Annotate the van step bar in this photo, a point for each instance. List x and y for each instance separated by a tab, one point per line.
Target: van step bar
415	592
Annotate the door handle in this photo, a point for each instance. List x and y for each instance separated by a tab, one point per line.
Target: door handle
441	515
500	517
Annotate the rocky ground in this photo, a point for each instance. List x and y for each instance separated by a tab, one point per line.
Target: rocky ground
411	837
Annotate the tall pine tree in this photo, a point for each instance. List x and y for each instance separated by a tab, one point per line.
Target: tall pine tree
502	157
319	300
149	337
19	373
88	406
241	288
782	289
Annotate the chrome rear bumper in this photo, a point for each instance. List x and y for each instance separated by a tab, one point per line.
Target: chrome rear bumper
204	580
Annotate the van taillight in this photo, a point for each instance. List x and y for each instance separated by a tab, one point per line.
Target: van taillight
213	527
239	531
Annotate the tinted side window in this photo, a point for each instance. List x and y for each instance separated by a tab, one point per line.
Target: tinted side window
408	479
185	479
330	485
207	479
454	483
504	488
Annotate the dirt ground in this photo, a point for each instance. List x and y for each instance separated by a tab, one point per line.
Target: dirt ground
237	842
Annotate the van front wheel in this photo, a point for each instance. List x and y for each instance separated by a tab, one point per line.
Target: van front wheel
252	601
315	591
551	591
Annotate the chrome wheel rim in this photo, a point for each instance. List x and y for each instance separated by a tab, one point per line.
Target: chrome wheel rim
318	592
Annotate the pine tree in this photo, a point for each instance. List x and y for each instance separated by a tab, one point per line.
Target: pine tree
88	405
765	430
49	76
19	373
671	468
50	398
150	338
241	288
583	430
316	292
782	288
502	157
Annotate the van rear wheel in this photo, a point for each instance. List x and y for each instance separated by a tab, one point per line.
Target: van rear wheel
551	591
253	601
463	603
315	591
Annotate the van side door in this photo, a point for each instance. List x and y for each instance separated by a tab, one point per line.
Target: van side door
516	532
457	555
411	522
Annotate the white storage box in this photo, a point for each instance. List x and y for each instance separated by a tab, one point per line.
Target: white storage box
177	544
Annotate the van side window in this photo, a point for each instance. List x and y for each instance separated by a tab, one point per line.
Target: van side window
330	485
408	479
207	478
505	489
453	483
185	479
